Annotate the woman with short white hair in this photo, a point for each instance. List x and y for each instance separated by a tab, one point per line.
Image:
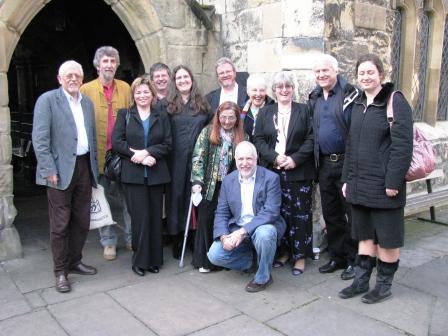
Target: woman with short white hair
256	90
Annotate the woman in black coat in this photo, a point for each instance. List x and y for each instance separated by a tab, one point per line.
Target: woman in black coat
284	140
377	158
142	136
189	113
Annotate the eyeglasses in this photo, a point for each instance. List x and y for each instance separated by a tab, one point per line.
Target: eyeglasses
284	86
72	76
224	118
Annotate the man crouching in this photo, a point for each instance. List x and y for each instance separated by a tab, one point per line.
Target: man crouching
248	215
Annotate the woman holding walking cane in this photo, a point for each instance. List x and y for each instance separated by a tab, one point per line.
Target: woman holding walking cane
213	158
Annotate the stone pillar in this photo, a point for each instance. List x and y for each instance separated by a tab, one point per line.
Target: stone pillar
10	246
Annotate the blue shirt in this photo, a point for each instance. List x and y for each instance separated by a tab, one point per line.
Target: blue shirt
331	140
146	134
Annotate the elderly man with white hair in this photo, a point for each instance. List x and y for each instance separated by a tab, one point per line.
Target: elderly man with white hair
247	216
257	92
64	140
330	104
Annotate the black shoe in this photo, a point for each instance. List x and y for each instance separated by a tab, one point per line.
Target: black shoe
139	271
330	267
62	284
348	273
253	287
153	269
83	269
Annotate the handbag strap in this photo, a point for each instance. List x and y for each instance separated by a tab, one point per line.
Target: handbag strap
390	108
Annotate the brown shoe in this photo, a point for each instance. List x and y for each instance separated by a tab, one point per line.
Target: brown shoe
83	269
253	287
62	284
110	253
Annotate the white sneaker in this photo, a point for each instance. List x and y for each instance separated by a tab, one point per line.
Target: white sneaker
110	253
204	270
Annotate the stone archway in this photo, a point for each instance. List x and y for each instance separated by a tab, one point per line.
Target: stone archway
162	31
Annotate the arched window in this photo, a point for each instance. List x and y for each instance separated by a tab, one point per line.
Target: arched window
396	41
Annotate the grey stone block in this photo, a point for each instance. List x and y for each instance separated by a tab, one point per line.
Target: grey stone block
12	302
35	300
97	315
430	278
337	320
238	326
32	324
439	322
172	306
408	310
262	306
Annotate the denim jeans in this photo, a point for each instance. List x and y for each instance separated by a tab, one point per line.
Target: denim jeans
115	197
264	239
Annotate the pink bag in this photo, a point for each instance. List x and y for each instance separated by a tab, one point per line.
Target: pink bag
423	158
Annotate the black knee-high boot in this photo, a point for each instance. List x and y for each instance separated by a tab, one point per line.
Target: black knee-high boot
384	277
364	265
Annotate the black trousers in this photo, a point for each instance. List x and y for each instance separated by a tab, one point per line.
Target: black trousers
341	246
69	214
145	207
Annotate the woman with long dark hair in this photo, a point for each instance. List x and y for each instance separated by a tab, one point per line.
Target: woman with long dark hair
189	113
213	158
377	157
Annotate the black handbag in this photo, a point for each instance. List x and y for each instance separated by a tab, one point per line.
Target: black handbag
112	164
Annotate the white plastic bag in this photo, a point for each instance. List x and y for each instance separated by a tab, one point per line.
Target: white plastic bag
100	214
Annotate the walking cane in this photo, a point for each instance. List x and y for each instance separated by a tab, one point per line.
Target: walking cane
187	225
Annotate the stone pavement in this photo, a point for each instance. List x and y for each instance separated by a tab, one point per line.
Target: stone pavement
185	302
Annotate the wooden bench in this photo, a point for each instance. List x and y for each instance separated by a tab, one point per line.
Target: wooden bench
418	203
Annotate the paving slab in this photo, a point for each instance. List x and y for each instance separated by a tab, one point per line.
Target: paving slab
172	306
37	323
87	285
35	300
322	317
12	302
97	315
228	286
431	277
439	322
408	310
33	272
238	326
416	256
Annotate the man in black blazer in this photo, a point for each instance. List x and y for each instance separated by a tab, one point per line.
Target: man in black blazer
229	89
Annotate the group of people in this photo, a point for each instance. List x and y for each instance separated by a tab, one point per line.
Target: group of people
253	159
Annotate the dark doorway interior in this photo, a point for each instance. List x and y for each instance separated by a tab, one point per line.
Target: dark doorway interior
62	30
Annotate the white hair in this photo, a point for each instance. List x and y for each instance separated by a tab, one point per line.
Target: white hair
70	65
326	58
246	145
254	81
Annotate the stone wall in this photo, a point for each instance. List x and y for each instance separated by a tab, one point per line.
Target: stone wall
266	36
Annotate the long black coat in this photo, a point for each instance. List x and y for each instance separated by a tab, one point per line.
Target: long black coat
132	136
377	156
185	127
299	142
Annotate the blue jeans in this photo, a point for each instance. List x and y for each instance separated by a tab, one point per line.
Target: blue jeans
117	201
264	239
